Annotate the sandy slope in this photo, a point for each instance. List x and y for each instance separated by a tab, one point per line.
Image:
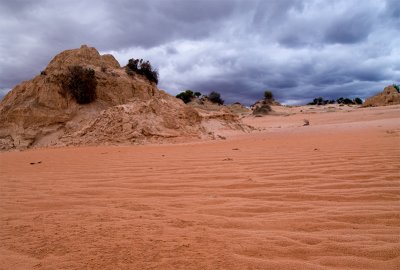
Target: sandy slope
325	196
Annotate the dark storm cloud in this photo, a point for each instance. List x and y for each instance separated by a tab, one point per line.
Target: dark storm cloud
393	9
349	30
192	12
16	6
299	49
273	12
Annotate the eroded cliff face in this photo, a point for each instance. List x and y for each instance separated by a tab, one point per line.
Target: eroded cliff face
128	109
41	108
389	96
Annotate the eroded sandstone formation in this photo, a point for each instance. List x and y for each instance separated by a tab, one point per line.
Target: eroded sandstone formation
128	108
389	96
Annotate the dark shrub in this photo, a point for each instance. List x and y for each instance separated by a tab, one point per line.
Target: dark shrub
340	100
215	97
43	73
81	83
186	96
358	101
320	101
268	95
262	109
143	68
397	87
197	94
347	101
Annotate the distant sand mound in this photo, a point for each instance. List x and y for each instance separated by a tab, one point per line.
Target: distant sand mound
389	96
128	109
239	108
204	104
138	121
263	107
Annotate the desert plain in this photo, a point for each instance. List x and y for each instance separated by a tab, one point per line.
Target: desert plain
284	196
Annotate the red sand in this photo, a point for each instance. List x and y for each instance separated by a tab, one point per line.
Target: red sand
325	196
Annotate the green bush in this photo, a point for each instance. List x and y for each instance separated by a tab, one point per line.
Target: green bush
268	95
320	101
186	96
344	101
397	87
347	101
215	97
262	109
358	101
143	68
81	83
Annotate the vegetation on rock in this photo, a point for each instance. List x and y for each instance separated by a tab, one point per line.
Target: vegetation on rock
215	97
139	66
397	87
81	83
268	95
263	108
187	96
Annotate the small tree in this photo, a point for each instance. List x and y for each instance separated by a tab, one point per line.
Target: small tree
197	94
397	87
143	68
340	100
358	101
215	97
268	95
320	101
186	96
347	101
81	83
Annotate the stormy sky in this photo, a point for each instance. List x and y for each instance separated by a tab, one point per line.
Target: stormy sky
299	49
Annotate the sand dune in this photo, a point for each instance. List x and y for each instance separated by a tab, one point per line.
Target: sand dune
324	196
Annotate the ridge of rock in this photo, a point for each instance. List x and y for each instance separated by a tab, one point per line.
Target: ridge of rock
389	96
128	109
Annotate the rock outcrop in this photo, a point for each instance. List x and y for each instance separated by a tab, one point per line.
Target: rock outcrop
128	109
156	119
389	96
